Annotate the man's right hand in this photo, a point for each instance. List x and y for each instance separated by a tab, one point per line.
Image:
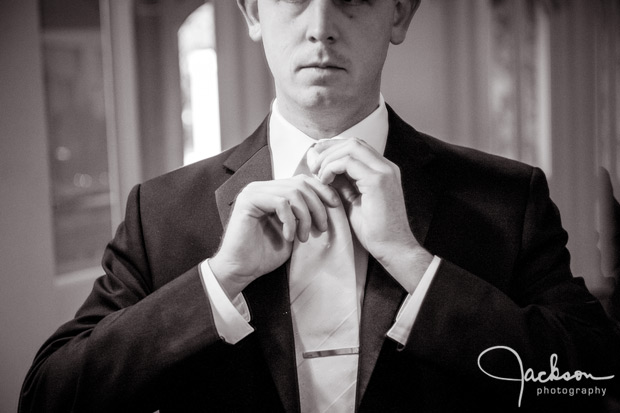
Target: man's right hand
266	218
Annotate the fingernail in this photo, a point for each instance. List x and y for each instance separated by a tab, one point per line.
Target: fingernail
311	157
337	200
325	179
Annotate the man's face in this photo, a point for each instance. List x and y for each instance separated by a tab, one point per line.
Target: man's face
327	54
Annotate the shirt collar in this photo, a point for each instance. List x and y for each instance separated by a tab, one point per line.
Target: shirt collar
288	144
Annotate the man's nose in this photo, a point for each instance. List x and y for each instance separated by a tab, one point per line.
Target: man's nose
322	27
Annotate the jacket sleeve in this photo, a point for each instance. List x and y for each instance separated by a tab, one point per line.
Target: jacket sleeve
542	311
124	339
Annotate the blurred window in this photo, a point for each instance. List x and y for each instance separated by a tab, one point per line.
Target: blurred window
198	68
76	126
520	81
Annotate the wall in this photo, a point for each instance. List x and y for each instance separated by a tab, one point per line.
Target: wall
415	73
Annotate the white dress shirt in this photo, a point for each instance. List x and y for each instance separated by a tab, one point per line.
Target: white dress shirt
288	146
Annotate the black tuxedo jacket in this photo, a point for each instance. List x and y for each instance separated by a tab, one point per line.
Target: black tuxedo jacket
145	338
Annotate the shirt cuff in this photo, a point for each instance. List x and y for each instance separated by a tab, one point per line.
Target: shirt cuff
411	306
231	317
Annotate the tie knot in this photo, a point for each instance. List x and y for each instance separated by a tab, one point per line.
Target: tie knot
304	164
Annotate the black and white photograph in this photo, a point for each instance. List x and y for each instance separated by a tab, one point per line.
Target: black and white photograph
309	206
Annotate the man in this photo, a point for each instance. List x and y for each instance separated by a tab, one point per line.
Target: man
457	259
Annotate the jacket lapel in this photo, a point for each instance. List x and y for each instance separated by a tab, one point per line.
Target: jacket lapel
249	162
267	297
383	295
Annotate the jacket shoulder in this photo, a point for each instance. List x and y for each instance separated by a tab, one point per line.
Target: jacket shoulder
197	176
469	162
451	159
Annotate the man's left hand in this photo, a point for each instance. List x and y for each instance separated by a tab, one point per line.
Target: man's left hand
371	191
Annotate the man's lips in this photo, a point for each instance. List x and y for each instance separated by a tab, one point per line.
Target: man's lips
321	66
322	60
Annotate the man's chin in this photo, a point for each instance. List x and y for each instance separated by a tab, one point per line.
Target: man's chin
317	97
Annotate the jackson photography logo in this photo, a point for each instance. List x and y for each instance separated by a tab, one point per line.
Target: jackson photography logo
543	377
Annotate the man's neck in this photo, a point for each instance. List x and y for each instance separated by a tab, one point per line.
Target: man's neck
326	122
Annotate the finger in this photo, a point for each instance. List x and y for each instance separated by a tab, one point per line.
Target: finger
298	198
326	193
258	201
348	165
355	148
284	212
302	193
306	198
316	207
322	145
